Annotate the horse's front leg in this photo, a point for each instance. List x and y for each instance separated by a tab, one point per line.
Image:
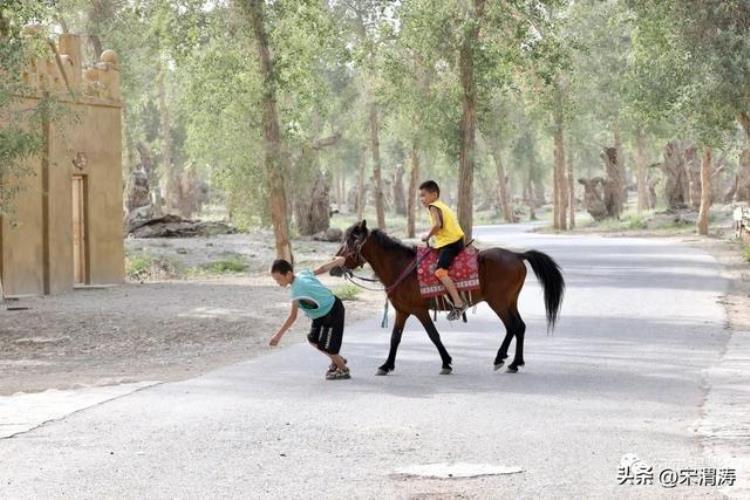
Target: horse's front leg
398	330
429	326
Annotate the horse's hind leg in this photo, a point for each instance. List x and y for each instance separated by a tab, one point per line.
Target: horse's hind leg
502	353
519	331
514	327
429	326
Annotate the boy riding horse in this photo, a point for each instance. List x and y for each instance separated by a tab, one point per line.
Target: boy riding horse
448	240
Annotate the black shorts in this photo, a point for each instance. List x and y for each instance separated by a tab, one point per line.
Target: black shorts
327	332
448	253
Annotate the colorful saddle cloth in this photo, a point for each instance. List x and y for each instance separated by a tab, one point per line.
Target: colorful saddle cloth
464	271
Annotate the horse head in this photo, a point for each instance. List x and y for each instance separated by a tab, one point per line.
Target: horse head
351	248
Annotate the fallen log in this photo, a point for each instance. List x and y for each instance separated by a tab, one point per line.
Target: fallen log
174	226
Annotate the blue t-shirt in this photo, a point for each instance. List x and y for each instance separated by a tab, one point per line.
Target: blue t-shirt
313	297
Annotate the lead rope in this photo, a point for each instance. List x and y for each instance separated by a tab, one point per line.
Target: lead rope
384	322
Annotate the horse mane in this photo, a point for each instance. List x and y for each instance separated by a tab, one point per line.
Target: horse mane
390	243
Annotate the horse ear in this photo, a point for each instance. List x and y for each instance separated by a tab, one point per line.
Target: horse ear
363	225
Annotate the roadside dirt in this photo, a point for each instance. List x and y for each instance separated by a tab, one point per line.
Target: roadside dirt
165	330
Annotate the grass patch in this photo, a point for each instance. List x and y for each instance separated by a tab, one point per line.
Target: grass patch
144	267
635	221
746	253
347	292
231	265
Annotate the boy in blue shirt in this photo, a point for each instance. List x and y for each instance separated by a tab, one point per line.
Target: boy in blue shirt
319	304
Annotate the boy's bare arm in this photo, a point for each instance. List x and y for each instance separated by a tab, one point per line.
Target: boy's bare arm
438	223
287	324
336	262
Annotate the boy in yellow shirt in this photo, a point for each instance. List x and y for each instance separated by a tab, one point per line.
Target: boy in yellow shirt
448	240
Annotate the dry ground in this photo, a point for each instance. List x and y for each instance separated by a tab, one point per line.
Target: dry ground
164	330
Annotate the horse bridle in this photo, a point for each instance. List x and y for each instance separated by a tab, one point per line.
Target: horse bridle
360	261
356	252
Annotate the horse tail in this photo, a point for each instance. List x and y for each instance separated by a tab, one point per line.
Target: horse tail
548	273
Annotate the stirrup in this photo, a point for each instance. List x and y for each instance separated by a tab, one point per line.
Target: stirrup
457	312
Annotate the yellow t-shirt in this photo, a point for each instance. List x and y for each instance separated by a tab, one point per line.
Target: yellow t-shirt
451	231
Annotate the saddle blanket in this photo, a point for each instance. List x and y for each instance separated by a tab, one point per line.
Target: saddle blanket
464	271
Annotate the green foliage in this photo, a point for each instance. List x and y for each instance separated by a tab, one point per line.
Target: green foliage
691	64
20	130
746	253
671	69
230	265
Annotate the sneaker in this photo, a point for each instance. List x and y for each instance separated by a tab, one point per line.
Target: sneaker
332	367
338	375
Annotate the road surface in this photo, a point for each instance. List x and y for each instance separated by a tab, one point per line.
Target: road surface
622	376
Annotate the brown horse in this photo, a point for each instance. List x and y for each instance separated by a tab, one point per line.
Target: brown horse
501	275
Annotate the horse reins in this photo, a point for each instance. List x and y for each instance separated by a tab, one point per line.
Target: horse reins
350	276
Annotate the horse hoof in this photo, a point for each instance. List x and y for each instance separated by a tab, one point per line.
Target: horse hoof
499	365
381	372
512	369
446	371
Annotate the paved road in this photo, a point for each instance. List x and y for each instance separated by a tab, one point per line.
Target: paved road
622	374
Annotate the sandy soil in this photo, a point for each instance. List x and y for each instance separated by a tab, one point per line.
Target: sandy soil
737	300
162	331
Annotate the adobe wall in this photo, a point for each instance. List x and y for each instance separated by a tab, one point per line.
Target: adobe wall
85	140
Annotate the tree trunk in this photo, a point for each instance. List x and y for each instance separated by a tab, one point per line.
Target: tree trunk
337	188
361	195
376	167
743	177
468	121
274	161
571	192
312	207
147	165
538	193
620	165
555	195
613	191
411	198
502	182
530	198
676	182
640	159
342	191
99	12
693	166
652	180
744	119
399	199
593	197
705	206
561	178
173	194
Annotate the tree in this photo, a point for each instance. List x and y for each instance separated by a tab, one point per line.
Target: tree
691	58
20	127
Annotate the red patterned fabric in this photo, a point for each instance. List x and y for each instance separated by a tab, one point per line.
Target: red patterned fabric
464	271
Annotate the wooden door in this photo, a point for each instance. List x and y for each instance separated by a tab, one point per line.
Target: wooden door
80	226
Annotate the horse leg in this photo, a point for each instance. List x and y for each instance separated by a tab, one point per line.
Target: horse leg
398	330
429	326
502	353
514	327
518	327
